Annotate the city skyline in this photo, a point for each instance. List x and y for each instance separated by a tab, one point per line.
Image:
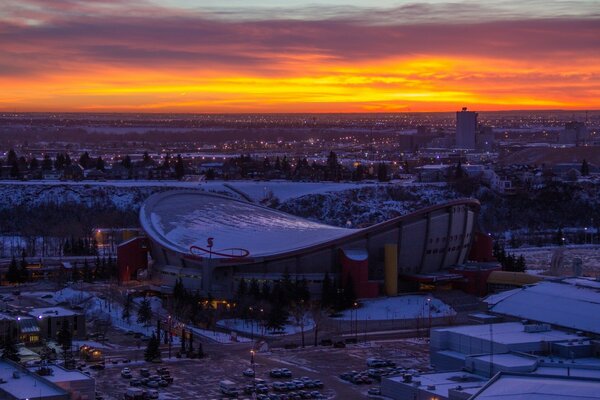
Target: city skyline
335	56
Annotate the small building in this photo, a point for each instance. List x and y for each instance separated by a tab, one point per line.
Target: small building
18	383
52	319
28	329
432	386
77	384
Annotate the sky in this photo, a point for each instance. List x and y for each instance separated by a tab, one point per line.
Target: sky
237	56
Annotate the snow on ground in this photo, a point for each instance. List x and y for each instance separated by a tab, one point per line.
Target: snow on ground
249	326
219	337
284	190
401	307
538	259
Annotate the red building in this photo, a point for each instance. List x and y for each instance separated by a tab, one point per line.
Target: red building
355	265
132	256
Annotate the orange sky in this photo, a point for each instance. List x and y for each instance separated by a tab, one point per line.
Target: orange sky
159	59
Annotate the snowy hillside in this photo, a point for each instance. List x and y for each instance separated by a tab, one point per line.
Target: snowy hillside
367	204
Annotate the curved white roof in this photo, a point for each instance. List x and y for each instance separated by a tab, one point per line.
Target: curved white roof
181	219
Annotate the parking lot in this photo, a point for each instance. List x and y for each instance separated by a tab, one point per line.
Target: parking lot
200	378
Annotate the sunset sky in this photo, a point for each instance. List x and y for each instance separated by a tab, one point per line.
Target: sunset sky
298	56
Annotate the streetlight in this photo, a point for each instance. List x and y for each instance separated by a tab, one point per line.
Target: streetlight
429	310
170	336
252	352
355	305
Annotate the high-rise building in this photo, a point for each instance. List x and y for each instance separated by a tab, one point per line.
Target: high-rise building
466	129
574	133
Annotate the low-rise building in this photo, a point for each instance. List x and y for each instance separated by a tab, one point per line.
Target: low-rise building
52	319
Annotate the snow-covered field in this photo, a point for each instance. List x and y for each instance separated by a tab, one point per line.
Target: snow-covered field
249	327
400	307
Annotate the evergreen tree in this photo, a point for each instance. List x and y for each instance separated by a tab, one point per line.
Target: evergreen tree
179	167
520	265
13	274
126	162
23	272
242	289
146	159
382	172
126	315
144	315
183	340
14	170
458	171
326	292
64	338
87	272
85	160
585	168
254	289
100	164
34	164
152	352
277	317
47	163
10	350
179	292
11	157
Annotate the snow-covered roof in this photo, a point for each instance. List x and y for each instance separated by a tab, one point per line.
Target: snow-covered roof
62	375
509	333
52	312
533	387
440	382
27	385
181	219
556	303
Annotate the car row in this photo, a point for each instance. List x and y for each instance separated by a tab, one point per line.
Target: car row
280	373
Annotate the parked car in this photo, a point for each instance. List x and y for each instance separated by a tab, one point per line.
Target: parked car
249	372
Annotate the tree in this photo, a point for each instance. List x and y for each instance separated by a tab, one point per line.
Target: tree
34	164
64	338
326	292
146	159
458	171
126	162
520	265
585	168
47	163
13	275
126	315
152	352
144	315
87	272
277	317
179	167
10	351
23	272
11	157
15	172
382	172
85	160
99	163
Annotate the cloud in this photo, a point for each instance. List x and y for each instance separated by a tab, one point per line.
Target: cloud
397	50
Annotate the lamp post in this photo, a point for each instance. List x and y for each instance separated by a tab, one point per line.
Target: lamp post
429	311
355	306
170	335
252	352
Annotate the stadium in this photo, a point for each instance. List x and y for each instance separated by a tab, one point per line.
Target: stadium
211	242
